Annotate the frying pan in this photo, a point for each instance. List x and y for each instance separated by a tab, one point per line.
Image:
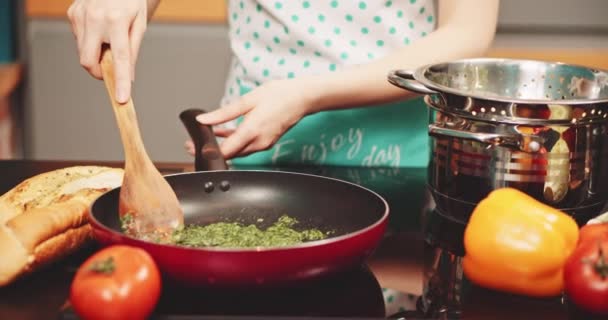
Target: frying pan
356	216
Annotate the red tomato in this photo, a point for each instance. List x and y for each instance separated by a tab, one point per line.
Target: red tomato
118	282
586	276
592	232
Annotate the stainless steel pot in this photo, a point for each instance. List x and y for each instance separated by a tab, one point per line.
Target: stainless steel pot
540	127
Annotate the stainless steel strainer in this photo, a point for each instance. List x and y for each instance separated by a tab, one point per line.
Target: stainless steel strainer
511	90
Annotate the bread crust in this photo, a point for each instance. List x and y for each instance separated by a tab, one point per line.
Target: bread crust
44	218
59	247
13	256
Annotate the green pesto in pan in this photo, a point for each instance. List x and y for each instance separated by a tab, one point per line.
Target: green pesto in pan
237	235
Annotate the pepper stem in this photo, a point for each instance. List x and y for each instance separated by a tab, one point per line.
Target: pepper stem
601	267
106	266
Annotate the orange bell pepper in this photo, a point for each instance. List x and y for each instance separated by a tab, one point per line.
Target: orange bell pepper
516	244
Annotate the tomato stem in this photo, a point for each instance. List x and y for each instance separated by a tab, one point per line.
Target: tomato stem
601	266
103	266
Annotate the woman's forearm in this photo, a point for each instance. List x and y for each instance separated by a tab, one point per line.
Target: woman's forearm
367	84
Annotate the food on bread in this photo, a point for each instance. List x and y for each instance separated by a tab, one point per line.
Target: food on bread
44	218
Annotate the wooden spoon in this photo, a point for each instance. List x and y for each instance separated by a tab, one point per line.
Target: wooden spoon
148	205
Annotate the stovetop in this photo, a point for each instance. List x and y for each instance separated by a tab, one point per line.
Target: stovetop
350	294
354	294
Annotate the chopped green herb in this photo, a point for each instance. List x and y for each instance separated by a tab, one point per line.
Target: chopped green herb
126	222
236	235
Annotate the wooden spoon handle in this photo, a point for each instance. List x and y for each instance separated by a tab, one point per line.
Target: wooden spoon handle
126	117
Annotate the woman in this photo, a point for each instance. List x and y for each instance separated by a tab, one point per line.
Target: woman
301	71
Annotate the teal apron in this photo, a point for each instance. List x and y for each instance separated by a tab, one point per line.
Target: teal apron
7	52
391	135
392	138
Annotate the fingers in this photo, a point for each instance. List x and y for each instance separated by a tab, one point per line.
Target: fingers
73	16
136	36
90	52
76	17
260	143
235	139
250	149
227	113
246	139
116	22
90	41
223	132
219	132
121	54
189	146
236	142
228	154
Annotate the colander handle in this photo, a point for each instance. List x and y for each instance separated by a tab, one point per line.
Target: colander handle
405	79
528	143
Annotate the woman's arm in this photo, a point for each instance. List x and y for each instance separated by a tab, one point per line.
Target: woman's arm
466	28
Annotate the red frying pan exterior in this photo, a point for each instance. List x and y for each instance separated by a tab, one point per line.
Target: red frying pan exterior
305	195
209	267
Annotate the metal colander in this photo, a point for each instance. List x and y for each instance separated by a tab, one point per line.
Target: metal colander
540	127
532	81
511	90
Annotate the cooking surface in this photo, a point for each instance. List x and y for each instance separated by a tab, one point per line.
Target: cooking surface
398	264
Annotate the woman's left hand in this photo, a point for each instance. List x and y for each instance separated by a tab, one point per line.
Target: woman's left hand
269	111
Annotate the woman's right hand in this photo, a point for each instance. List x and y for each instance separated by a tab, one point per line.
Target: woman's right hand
120	23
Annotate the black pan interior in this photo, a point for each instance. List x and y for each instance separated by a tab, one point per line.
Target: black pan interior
259	197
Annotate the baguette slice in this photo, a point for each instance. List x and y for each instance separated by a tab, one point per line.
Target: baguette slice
44	218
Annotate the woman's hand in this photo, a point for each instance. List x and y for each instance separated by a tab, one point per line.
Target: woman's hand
269	110
122	24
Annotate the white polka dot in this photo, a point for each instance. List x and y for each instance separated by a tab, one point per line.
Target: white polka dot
296	39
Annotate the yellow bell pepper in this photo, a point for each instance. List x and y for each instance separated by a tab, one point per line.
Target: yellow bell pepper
516	244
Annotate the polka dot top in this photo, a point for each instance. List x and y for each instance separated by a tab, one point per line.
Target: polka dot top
277	39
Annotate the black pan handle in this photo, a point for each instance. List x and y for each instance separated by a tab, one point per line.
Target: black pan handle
207	155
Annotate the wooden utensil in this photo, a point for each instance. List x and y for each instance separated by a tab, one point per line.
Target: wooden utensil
148	205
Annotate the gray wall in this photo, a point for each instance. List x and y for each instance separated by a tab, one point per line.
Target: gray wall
554	15
70	117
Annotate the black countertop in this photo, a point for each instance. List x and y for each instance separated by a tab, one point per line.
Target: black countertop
416	254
